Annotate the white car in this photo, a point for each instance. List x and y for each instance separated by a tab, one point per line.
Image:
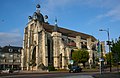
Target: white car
7	71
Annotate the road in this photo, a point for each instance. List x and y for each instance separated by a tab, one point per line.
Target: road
50	75
59	74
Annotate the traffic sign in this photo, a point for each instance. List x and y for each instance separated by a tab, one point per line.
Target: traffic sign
71	61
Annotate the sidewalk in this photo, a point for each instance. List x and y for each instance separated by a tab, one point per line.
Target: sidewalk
33	71
107	75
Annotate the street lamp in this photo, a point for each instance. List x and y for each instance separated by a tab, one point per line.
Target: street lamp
108	43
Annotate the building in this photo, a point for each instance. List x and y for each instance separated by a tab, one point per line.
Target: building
103	48
46	44
10	57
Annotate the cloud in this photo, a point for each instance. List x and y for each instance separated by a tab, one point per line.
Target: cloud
50	6
106	4
16	31
109	15
53	4
113	14
10	39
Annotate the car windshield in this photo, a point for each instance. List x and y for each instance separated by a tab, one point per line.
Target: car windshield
73	67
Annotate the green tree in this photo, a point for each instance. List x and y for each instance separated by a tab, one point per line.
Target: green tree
116	50
108	56
80	56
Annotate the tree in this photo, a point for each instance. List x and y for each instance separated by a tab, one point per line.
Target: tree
80	56
108	56
116	50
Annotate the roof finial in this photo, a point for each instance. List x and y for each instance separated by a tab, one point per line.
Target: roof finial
38	8
46	19
55	21
56	26
29	18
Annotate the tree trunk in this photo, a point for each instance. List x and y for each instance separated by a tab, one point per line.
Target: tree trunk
84	65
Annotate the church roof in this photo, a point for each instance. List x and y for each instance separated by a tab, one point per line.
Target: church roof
50	28
67	32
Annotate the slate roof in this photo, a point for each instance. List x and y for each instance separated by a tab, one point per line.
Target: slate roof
14	49
67	32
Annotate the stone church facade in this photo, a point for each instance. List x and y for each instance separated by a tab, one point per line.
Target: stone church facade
46	44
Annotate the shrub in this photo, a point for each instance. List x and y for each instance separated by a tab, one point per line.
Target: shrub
51	68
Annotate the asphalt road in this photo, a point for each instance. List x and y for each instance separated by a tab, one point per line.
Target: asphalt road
57	74
50	75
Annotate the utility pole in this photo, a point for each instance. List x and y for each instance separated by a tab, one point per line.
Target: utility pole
99	51
108	43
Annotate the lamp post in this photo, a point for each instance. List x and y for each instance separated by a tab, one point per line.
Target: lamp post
108	43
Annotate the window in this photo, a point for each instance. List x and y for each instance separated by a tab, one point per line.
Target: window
18	61
3	60
18	50
63	39
10	50
3	55
11	55
10	61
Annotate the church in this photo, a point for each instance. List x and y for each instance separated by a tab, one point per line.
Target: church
45	44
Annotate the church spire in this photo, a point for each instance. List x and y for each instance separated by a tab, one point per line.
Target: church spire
56	26
55	21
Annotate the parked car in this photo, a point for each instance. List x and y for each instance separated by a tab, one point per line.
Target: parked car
7	71
75	69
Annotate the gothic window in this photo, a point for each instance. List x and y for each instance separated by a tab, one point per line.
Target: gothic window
49	50
81	43
61	60
84	45
94	47
63	39
69	40
33	56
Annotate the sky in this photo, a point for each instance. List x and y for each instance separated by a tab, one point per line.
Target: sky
86	16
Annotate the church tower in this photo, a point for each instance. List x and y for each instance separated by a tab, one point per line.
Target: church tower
35	55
